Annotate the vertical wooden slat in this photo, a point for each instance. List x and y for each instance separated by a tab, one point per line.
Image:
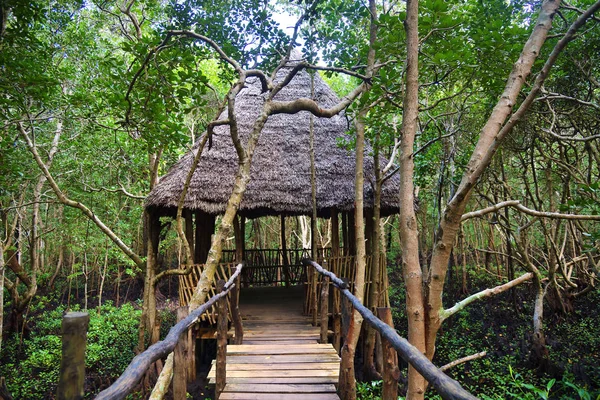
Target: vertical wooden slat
180	363
391	373
221	371
72	365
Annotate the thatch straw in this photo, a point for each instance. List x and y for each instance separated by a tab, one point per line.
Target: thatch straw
280	173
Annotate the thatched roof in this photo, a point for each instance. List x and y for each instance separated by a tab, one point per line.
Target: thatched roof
280	173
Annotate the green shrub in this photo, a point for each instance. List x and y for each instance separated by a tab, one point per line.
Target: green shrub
31	369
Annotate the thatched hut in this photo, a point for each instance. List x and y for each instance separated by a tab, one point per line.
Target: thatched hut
280	181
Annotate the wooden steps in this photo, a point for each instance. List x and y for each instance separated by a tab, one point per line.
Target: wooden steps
280	357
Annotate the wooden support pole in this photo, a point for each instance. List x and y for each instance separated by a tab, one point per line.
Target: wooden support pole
189	230
391	373
221	371
205	227
313	296
324	309
346	313
335	233
286	262
345	233
351	234
235	313
191	343
72	365
180	363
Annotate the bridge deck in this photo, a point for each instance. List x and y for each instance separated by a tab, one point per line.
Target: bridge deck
281	356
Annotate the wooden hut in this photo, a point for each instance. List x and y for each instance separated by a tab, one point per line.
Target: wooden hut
280	182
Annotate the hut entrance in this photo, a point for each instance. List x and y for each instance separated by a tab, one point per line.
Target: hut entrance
271	267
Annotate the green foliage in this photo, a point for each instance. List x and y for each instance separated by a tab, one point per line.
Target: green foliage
32	368
369	390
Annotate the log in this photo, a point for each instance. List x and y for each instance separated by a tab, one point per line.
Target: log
72	365
221	371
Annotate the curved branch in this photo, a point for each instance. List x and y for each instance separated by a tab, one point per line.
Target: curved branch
76	204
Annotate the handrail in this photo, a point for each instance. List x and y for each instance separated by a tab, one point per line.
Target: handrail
140	363
447	387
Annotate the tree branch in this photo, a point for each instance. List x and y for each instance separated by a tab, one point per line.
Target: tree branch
76	204
463	360
444	314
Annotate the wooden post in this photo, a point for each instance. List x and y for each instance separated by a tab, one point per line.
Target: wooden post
313	296
286	262
235	313
191	342
345	233
351	234
189	230
180	364
335	233
72	365
324	309
221	371
346	313
205	227
391	373
335	252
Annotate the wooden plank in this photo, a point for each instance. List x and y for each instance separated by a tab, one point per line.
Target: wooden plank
260	381
268	350
277	396
289	341
296	373
297	358
280	388
285	366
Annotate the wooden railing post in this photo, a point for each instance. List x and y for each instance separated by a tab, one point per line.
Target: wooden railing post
180	363
313	296
346	313
324	309
72	365
221	371
235	313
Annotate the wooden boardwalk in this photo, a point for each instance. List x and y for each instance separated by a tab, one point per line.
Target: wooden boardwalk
281	357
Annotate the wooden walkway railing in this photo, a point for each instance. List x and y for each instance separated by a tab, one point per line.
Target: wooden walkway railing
447	387
127	382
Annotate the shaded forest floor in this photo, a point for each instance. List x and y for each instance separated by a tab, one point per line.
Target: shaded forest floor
502	326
